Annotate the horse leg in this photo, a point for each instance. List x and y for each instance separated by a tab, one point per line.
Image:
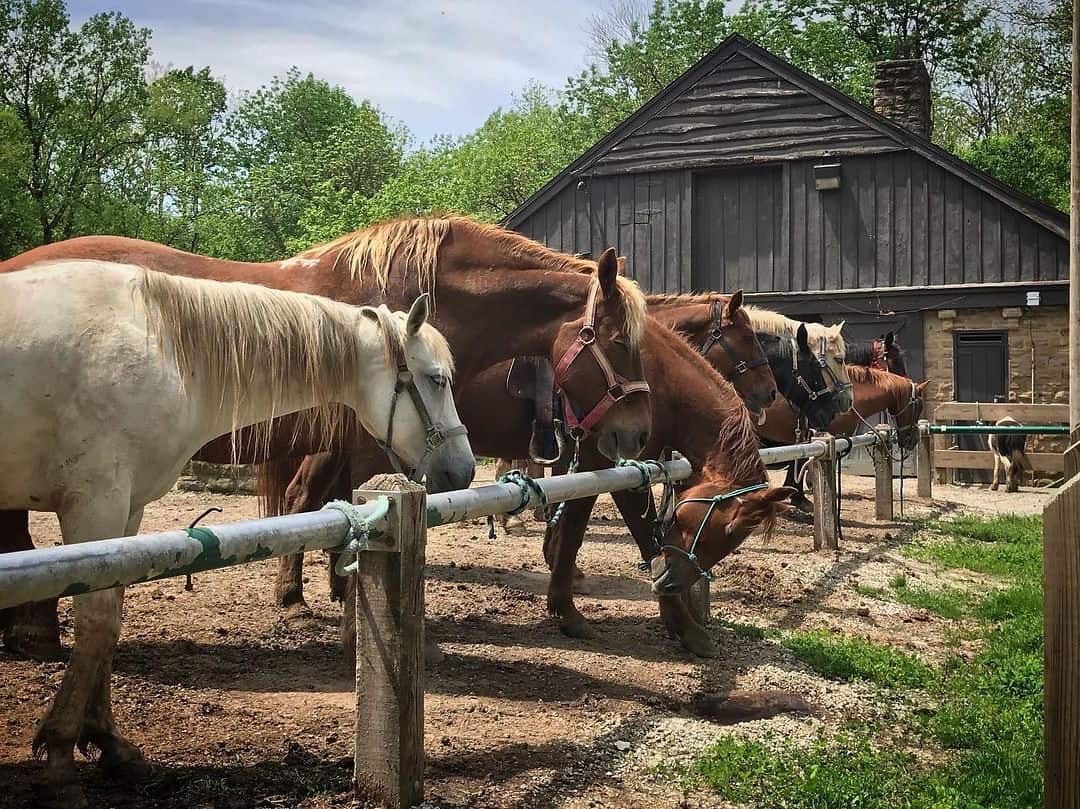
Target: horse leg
119	758
679	621
307	491
97	628
569	534
1013	476
31	630
995	482
794	479
638	509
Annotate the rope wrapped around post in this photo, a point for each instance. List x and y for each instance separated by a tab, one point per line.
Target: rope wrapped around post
359	531
526	484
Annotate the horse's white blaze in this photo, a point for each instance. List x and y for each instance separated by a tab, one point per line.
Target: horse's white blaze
299	261
111	377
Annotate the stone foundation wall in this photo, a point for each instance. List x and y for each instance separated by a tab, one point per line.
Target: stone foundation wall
1044	327
199	476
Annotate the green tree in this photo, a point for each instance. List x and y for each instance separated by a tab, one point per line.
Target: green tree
76	96
644	57
17	230
296	145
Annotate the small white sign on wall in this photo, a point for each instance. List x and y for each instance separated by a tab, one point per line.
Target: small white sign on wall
1032	299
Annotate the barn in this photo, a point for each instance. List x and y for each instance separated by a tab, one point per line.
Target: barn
745	172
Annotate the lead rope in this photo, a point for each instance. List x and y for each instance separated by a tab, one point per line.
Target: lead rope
571	469
526	485
359	534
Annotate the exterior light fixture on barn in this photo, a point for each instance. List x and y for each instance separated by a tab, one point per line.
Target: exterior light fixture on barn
722	181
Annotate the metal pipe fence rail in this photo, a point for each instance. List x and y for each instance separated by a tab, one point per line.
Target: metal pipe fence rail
930	461
387	527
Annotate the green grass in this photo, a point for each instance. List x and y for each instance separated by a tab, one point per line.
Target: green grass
748	631
948	602
986	720
853	658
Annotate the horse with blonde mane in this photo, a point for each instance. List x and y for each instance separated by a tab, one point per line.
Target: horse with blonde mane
495	295
115	376
827	343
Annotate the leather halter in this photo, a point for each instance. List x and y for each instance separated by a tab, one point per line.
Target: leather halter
811	393
878	359
435	435
618	387
716	337
832	381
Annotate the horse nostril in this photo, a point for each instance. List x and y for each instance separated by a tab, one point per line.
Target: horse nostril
772	396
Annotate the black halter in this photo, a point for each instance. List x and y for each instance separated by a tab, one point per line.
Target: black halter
716	337
435	434
811	393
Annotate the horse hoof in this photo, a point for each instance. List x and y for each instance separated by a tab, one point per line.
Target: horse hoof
697	641
577	627
66	795
127	766
993	487
34	646
299	616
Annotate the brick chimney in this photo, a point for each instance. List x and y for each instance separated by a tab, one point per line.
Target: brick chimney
902	94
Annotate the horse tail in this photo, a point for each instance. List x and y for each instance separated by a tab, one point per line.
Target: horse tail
272	481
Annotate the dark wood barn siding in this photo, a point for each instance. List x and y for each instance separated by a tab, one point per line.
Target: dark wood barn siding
741	112
645	217
898	220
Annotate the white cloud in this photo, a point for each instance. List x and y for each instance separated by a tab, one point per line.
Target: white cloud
436	65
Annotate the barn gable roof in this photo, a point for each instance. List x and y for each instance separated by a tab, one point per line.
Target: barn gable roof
668	133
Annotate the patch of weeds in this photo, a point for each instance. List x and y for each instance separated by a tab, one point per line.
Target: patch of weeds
871	592
1008	545
749	631
846	771
854	658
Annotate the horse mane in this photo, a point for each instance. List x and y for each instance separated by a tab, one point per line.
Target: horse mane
765	320
242	336
867	375
861	353
684	298
414	242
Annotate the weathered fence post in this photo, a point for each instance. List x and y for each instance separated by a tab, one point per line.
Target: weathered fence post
389	755
826	527
883	483
925	460
1061	629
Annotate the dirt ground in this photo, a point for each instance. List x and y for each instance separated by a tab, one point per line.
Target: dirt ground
238	709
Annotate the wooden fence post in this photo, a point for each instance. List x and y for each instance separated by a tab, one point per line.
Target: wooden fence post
925	460
883	481
826	528
1061	629
389	753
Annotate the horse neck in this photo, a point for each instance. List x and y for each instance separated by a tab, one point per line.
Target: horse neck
692	318
490	316
683	382
878	393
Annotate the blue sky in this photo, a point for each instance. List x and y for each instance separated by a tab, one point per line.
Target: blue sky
440	66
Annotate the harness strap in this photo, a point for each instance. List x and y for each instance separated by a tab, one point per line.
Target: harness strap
716	336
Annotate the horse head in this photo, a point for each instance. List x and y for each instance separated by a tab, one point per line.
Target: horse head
732	348
598	365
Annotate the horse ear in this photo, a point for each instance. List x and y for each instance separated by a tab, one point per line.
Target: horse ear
778	494
839	327
735	303
920	387
607	270
888	340
803	337
418	315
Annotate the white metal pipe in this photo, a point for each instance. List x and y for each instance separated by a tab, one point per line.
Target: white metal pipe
498	498
813	449
71	569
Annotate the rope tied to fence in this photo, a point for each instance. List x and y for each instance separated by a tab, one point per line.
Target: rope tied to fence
356	540
526	485
571	469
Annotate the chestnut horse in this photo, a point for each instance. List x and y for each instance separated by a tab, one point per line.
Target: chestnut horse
496	295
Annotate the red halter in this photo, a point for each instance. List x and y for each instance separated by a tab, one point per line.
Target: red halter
877	355
618	387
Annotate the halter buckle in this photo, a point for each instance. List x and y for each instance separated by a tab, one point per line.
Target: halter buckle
435	437
404	376
587	335
617	391
741	367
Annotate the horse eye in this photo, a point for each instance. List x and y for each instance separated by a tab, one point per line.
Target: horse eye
440	380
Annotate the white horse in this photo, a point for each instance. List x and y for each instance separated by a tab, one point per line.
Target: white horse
827	342
112	376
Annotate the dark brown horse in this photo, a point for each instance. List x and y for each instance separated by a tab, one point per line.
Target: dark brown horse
497	295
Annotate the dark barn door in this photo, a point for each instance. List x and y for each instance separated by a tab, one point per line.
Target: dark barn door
737	227
980	374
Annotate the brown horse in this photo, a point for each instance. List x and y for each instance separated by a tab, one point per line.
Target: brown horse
716	324
874	392
497	295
